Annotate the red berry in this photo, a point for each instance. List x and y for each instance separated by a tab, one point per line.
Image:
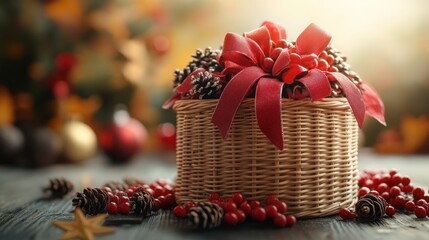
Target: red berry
399	202
226	200
255	204
383	187
426	197
281	207
374	192
121	193
241	216
408	188
395	191
259	214
114	198
156	205
179	211
280	220
363	191
410	206
420	212
396	179
169	200
123	199
158	191
124	208
369	183
129	192
230	207
361	182
271	211
163	202
189	205
246	208
346	214
421	202
149	190
385	178
393	172
106	189
291	220
112	208
214	196
238	198
271	200
406	180
390	211
386	196
418	193
230	219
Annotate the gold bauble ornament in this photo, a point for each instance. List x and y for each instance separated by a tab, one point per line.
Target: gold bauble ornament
79	141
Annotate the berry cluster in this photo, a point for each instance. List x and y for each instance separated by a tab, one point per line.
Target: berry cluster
162	191
237	209
396	189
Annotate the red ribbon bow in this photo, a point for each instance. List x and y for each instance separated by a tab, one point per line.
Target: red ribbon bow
255	65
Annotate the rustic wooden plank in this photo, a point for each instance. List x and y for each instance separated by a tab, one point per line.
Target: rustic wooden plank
25	215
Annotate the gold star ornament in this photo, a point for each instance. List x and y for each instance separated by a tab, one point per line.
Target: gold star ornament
83	228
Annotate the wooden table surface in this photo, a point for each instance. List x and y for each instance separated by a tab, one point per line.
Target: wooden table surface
25	215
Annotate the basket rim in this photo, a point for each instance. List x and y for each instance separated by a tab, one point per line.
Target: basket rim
342	99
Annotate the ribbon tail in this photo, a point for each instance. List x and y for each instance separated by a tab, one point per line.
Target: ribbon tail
374	107
170	102
268	109
317	84
232	96
312	40
353	95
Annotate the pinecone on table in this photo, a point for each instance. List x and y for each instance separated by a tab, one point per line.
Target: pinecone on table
343	67
206	215
205	85
130	181
201	59
116	185
58	187
370	208
141	202
92	201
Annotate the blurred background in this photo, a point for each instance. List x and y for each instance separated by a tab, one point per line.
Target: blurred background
77	75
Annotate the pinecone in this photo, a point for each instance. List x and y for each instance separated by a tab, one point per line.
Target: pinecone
344	68
206	215
132	181
58	187
141	202
116	185
370	208
201	59
205	85
92	201
207	59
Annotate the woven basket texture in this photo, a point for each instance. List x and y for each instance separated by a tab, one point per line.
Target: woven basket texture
315	173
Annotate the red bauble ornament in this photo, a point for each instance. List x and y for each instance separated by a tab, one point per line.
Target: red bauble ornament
123	138
167	136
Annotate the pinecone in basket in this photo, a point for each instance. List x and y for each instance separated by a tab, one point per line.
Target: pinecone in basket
201	59
344	68
205	85
142	202
116	185
370	208
92	201
58	187
207	59
206	215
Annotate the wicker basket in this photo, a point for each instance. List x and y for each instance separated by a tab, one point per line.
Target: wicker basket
315	173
